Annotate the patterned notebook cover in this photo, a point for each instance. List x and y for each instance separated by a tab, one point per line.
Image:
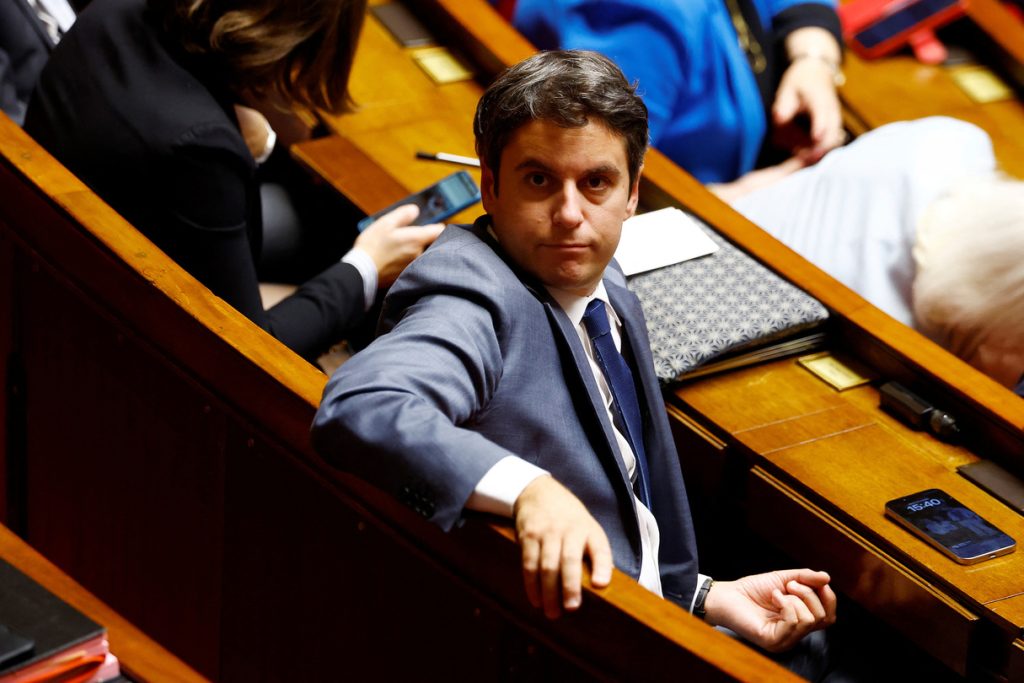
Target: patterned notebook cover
702	310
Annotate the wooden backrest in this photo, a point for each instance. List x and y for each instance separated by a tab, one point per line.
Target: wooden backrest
157	451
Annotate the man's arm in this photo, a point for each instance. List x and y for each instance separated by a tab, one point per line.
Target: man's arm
399	413
391	415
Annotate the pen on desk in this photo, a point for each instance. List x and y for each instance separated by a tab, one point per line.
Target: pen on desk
451	158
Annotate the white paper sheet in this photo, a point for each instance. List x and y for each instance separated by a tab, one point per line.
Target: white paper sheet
660	238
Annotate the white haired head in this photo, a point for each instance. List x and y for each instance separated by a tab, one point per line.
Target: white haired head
969	287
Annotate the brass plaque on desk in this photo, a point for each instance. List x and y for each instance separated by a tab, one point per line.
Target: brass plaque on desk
441	65
838	374
980	84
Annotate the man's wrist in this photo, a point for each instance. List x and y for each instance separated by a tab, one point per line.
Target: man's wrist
500	488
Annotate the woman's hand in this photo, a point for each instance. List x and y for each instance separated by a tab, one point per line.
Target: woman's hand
393	242
808	86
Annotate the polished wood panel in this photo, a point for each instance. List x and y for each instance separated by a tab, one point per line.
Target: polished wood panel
825	462
999	23
862	570
139	656
338	161
899	88
9	390
403	113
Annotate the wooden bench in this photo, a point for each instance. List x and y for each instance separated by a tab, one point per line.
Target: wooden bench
157	451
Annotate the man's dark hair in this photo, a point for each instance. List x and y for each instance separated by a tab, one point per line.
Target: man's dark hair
568	88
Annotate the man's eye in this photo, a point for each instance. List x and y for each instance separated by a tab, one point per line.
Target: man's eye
596	182
536	179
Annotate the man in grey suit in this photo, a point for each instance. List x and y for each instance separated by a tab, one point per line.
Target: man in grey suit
491	389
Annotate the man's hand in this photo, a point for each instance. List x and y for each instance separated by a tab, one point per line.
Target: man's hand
393	243
808	87
556	532
773	610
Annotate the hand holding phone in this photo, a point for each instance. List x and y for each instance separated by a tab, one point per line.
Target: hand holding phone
442	200
949	526
394	240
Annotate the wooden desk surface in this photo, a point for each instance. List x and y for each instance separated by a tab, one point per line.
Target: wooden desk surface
838	457
141	658
400	115
899	88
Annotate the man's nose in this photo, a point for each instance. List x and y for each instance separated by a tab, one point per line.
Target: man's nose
569	207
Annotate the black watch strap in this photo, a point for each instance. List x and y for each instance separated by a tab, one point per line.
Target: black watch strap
702	596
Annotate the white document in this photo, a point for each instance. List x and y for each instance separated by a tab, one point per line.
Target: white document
660	238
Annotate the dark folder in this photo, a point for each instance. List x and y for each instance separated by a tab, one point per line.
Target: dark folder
722	311
35	614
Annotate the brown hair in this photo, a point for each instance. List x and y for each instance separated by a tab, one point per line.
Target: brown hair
567	87
300	51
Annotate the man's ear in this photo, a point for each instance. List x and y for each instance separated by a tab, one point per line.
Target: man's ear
487	189
634	195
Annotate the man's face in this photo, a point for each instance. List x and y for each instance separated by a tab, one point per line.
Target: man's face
561	200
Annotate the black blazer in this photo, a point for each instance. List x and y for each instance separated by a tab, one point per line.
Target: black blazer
152	130
24	49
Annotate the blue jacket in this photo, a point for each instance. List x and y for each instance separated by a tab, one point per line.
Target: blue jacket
708	112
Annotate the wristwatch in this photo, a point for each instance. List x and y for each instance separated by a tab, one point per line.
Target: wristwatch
702	596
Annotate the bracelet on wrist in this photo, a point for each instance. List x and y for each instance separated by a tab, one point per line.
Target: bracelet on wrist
838	77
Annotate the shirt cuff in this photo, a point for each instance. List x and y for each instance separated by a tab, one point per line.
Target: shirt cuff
367	270
268	147
701	578
498	490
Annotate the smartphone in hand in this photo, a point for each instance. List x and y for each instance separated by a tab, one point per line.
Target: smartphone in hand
443	199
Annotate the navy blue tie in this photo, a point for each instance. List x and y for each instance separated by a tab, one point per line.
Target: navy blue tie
620	380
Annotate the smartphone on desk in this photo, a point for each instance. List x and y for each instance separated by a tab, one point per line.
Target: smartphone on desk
443	199
944	522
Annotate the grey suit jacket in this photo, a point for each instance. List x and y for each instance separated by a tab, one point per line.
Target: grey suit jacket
479	363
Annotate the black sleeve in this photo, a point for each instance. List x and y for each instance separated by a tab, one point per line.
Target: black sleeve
214	200
804	15
10	103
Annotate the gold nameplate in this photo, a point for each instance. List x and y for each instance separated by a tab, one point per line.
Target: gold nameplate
833	371
980	84
441	65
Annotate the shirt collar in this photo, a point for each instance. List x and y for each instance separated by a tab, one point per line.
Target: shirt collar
575	306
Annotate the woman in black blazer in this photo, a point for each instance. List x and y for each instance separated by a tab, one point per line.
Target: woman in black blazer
143	101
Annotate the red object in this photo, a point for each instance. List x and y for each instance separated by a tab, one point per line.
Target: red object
873	28
506	8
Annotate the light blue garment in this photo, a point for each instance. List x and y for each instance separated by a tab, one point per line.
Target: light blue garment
855	213
706	112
